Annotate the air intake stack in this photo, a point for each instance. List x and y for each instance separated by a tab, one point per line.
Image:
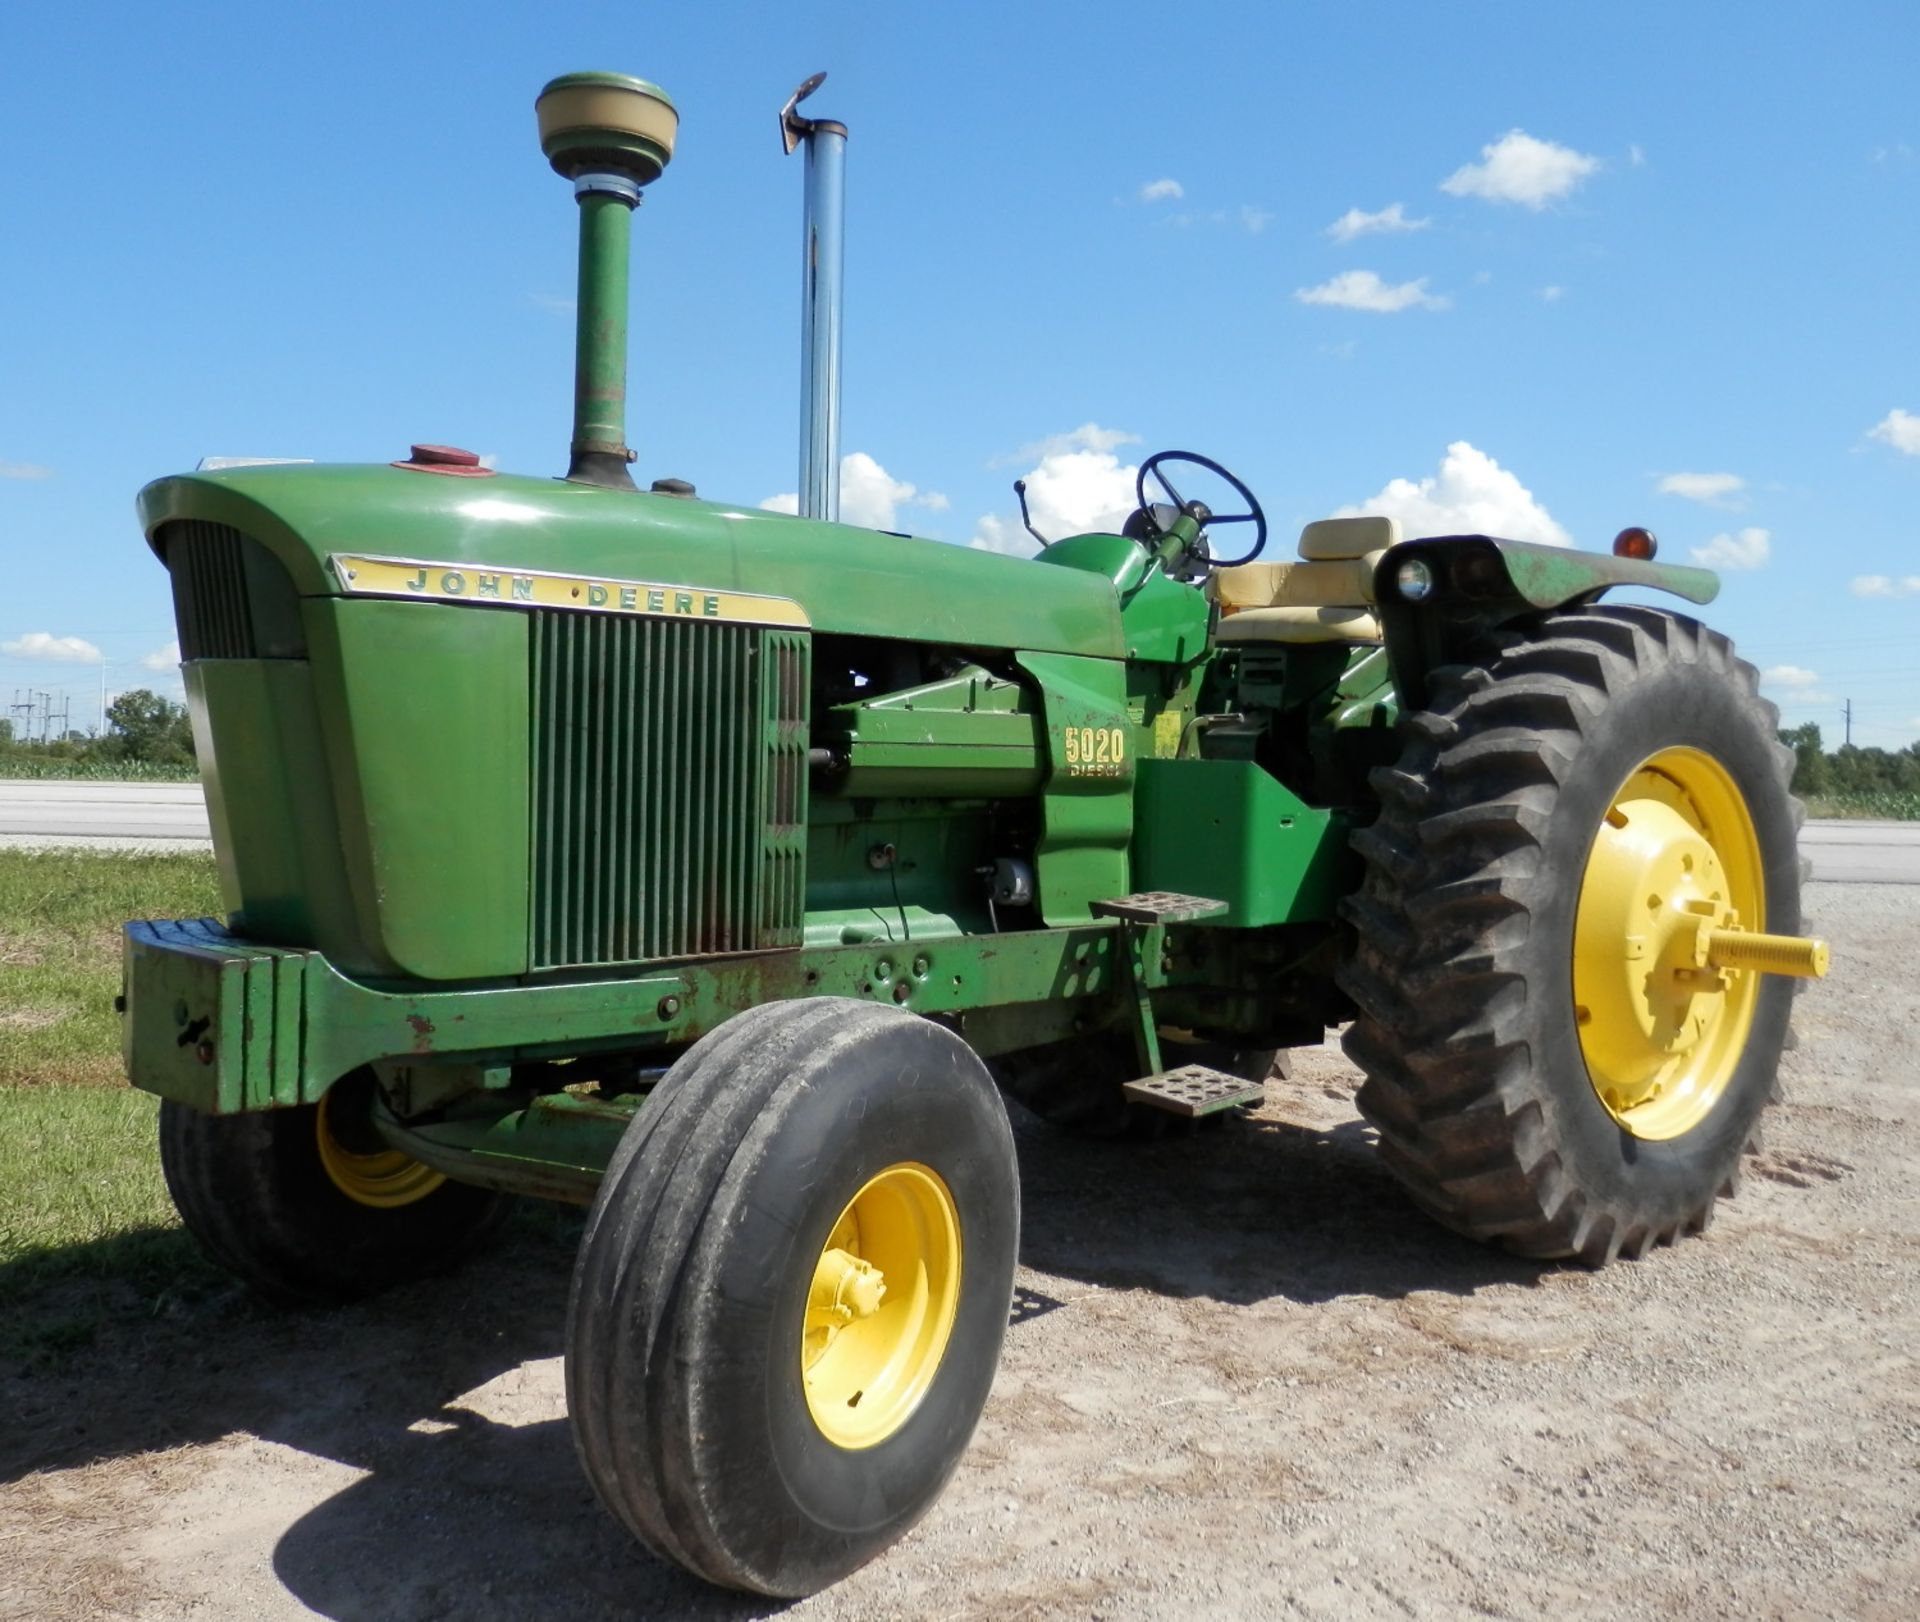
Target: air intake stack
610	135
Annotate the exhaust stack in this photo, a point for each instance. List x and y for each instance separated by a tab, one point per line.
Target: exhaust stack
610	135
820	272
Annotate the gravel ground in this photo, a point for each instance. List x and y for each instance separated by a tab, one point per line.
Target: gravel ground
1244	1379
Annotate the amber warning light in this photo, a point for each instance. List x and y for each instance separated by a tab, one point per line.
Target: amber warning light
1635	543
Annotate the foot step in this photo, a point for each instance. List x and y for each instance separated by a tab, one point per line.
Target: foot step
1193	1089
1158	907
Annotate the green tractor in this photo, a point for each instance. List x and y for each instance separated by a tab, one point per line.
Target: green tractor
720	869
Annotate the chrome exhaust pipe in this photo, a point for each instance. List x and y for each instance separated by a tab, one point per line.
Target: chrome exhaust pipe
820	288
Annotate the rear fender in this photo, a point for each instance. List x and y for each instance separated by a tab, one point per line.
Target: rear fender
1480	583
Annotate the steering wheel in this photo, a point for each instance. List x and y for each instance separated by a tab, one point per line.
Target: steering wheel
1154	464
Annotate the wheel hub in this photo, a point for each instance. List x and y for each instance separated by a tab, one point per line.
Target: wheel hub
1667	956
368	1173
880	1305
1654	889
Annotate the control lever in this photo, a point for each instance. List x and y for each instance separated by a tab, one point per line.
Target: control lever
1020	490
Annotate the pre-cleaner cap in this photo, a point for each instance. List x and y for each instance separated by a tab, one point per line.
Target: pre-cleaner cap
594	121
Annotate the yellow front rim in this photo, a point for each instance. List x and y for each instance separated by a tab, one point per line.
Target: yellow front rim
382	1178
1675	859
881	1305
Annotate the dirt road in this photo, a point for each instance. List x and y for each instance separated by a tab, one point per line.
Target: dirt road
1245	1379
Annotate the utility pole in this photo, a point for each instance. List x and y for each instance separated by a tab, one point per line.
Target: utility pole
1846	710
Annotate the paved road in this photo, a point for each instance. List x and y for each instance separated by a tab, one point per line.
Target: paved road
171	816
145	816
1863	852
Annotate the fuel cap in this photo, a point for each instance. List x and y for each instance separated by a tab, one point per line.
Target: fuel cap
447	459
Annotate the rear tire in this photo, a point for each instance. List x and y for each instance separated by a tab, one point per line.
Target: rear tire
700	1402
1487	1096
255	1191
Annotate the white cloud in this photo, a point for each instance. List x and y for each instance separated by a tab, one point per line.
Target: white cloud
24	470
1250	217
870	496
59	650
1519	168
996	534
1637	156
1472	494
1357	223
1089	436
1791	678
1711	489
1553	294
1155	191
1880	585
1363	290
1900	429
164	659
554	305
1075	485
1748	549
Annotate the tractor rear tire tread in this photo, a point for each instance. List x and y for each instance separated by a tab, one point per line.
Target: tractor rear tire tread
1449	1034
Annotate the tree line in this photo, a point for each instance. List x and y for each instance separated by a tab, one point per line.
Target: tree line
143	729
1850	770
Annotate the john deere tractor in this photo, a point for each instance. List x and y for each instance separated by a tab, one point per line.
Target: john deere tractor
720	870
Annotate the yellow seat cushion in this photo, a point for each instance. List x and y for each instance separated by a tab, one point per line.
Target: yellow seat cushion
1348	581
1328	539
1294	624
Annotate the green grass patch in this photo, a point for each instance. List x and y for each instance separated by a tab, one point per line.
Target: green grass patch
87	1232
60	918
28	768
1891	805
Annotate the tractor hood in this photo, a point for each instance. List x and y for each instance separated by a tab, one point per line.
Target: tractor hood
844	580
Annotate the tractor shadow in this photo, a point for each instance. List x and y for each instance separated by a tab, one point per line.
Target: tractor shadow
454	1512
1239	1212
466	1498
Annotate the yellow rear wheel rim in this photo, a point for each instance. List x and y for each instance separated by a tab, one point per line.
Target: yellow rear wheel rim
881	1304
384	1179
1676	857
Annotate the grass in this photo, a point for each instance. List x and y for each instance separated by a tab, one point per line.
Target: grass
1889	804
60	918
31	768
86	1227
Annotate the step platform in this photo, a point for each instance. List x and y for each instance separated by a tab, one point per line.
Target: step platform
1194	1089
1158	907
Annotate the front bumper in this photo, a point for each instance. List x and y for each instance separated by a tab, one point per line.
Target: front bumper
227	1025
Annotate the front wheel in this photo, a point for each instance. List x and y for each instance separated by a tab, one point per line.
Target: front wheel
791	1294
1564	1024
308	1205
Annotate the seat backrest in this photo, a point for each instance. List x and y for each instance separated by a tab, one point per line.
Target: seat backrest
1329	540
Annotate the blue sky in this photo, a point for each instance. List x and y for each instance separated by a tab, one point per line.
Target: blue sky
1076	233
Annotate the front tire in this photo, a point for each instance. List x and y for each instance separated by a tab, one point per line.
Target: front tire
308	1206
1544	1065
790	1297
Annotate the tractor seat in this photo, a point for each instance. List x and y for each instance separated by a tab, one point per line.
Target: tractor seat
1326	597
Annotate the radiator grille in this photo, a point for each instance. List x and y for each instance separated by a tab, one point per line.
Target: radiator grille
209	590
669	788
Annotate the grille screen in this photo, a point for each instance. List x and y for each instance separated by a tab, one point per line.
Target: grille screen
209	590
669	788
